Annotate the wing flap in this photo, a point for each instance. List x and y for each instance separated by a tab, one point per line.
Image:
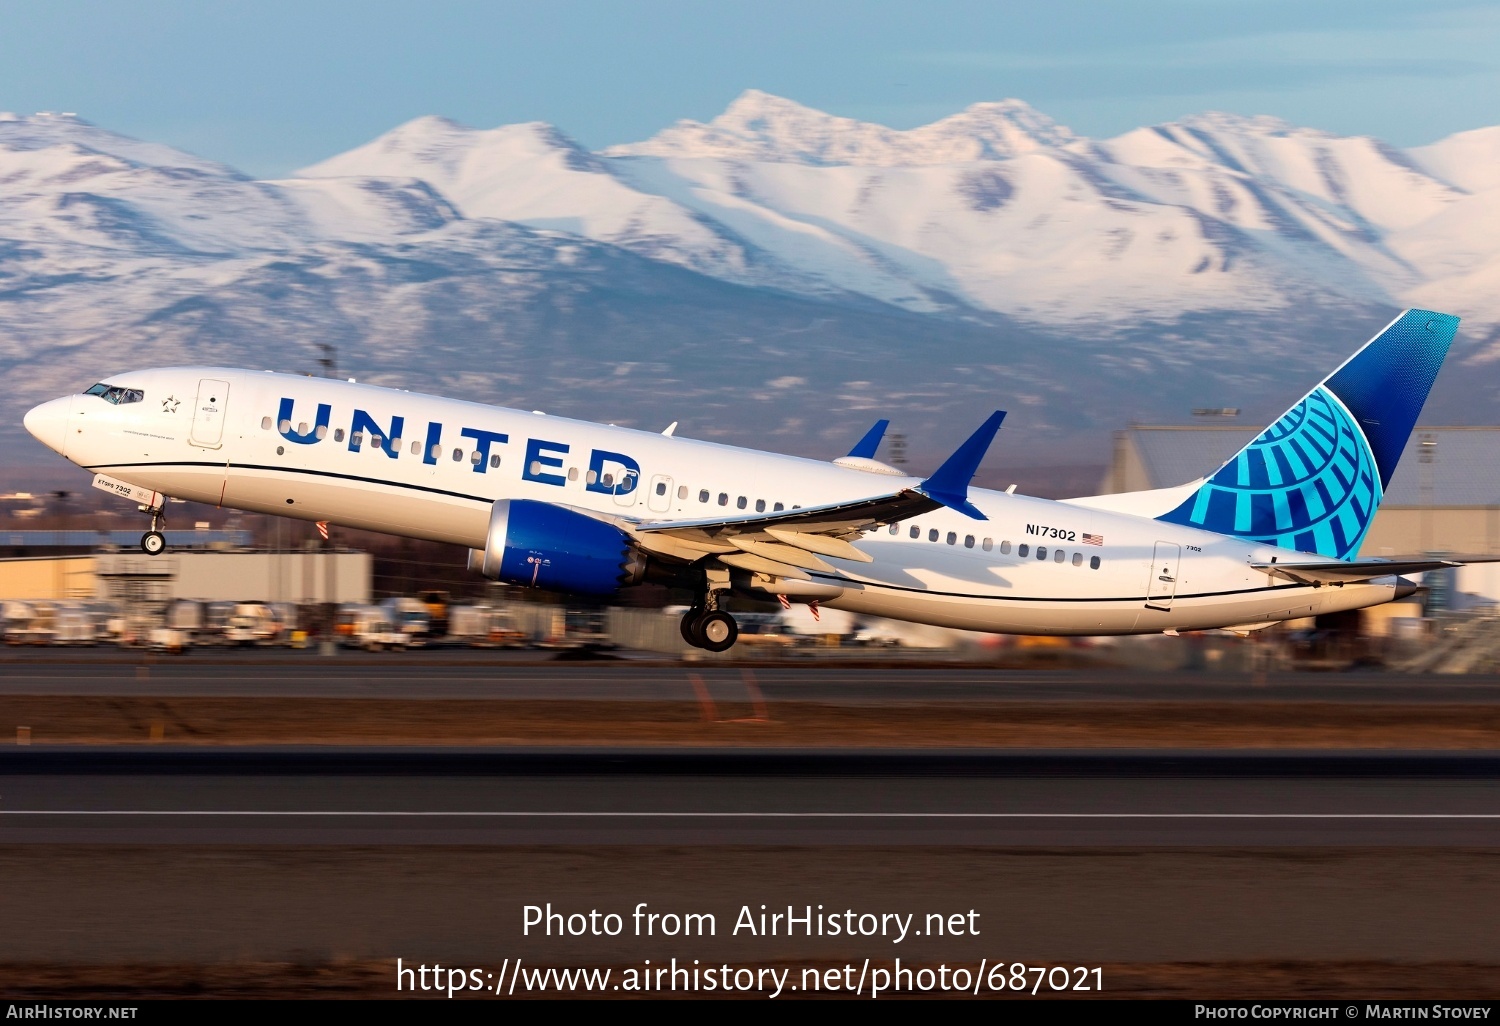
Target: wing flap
762	565
820	543
782	553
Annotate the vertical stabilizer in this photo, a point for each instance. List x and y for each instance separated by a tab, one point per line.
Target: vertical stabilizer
1313	480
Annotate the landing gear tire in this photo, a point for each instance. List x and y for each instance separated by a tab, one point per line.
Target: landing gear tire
153	543
718	632
692	623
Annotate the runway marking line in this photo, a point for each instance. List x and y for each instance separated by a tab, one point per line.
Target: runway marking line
550	814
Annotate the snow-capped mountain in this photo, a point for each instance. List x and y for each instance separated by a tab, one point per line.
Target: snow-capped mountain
761	127
997	209
770	263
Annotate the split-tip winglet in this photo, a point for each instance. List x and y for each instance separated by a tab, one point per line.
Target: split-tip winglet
949	484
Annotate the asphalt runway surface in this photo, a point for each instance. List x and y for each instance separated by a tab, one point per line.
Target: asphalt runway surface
603	797
229	674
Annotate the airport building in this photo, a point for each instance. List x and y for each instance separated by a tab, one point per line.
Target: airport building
1443	499
201	565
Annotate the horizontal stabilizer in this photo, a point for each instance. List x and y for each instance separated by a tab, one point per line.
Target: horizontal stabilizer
949	484
1333	572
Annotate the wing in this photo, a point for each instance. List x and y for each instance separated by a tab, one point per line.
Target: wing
789	543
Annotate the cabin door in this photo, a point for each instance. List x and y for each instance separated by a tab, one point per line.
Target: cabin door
1161	585
208	413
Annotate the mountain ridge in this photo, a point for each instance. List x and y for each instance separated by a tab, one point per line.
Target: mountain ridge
1218	253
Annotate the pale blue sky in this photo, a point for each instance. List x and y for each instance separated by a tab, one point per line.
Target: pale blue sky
273	85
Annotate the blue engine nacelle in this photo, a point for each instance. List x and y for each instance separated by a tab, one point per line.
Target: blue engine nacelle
542	545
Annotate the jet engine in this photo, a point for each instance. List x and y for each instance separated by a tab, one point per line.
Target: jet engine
547	546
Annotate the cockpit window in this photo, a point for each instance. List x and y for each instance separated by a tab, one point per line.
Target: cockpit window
115	394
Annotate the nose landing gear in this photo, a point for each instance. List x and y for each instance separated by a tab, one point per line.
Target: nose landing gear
153	542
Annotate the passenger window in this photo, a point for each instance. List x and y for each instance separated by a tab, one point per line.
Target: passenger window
1041	552
285	425
458	455
608	481
760	505
952	537
395	444
302	428
436	451
265	422
1078	559
376	441
916	532
1059	556
338	436
573	474
475	458
932	535
416	448
682	491
968	541
777	508
723	498
1093	562
1005	548
989	543
703	495
1022	550
322	432
740	503
356	439
495	462
895	528
661	488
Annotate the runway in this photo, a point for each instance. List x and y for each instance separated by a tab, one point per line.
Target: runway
600	797
439	676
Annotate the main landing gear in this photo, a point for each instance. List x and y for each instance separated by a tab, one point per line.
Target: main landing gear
153	542
708	627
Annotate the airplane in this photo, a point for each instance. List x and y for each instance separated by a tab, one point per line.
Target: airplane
572	506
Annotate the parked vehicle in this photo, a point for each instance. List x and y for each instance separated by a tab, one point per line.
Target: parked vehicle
409	616
73	623
483	627
377	633
252	623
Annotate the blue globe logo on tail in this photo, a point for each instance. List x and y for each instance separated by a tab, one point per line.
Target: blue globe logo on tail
1308	482
1313	480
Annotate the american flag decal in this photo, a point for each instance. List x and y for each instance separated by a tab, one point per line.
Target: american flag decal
1093	539
786	603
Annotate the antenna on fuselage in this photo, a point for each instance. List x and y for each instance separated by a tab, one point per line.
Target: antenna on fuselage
329	361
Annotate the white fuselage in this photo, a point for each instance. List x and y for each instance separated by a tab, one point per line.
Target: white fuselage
218	436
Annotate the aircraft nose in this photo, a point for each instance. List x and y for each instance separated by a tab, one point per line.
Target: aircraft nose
48	423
